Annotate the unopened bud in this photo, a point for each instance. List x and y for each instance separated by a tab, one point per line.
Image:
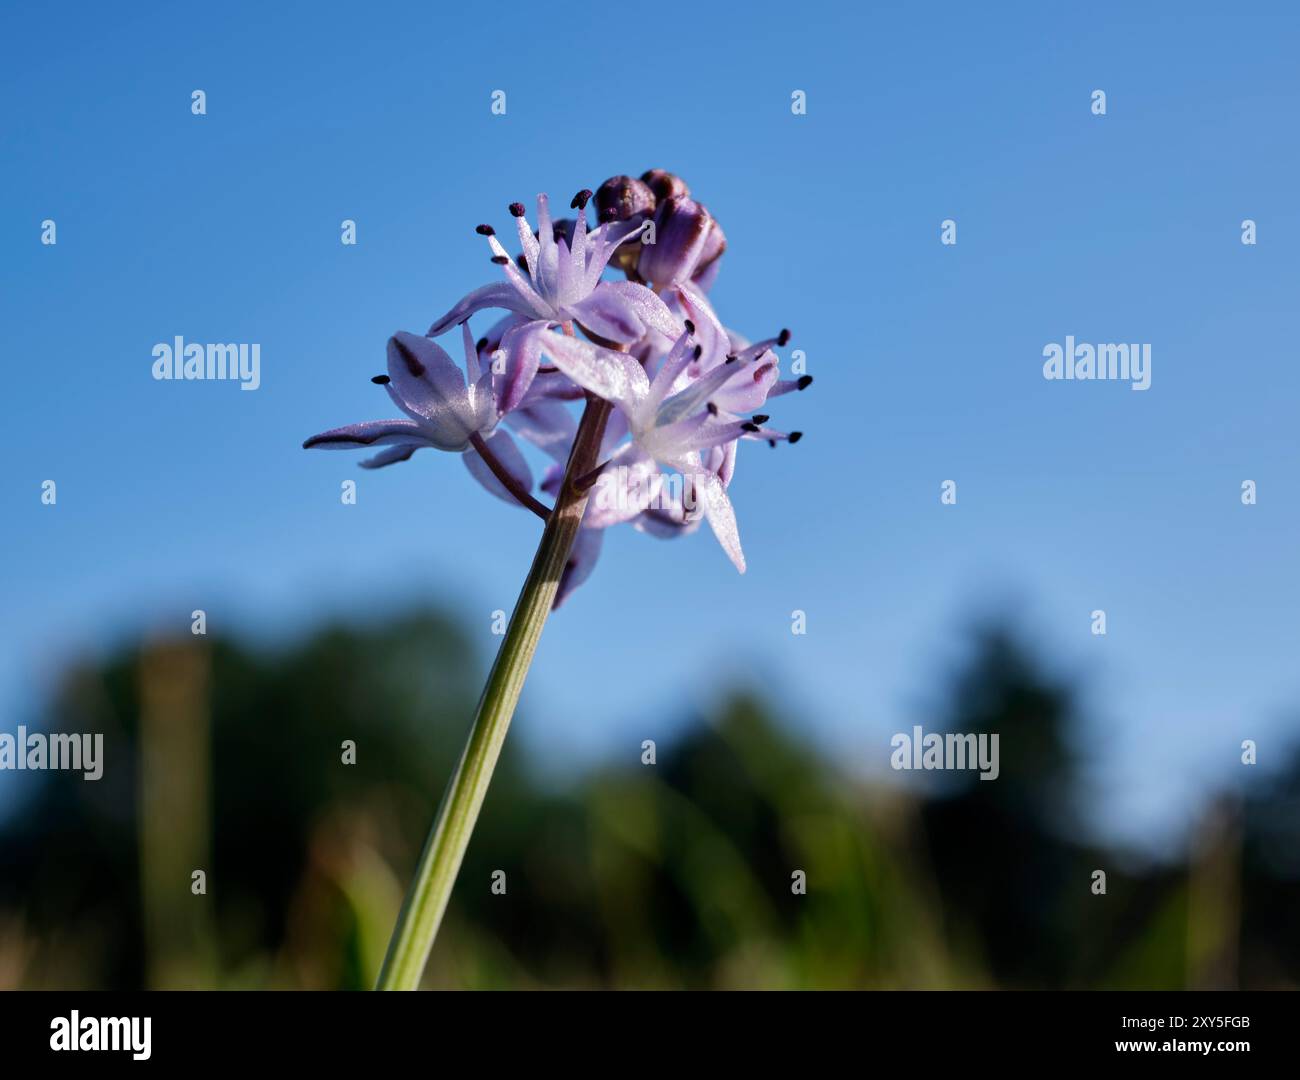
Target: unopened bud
621	198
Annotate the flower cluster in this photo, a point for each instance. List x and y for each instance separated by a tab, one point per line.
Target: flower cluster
685	391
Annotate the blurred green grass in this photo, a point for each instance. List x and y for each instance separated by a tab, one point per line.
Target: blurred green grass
226	757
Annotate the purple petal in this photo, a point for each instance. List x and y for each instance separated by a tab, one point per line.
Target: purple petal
368	433
623	311
630	484
426	383
505	451
392	455
549	426
750	391
709	331
722	517
500	294
582	561
522	347
611	375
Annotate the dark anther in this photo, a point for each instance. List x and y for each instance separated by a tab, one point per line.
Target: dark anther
690	327
580	200
501	260
747	426
795	436
481	344
699	351
713	409
804	382
380	380
516	209
522	263
783	338
760	418
485	230
731	359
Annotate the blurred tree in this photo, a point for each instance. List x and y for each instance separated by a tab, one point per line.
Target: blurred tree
679	874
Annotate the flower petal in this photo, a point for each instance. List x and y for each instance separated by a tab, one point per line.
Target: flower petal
392	455
611	375
428	385
549	426
717	508
522	347
507	453
624	311
500	294
582	561
368	433
630	484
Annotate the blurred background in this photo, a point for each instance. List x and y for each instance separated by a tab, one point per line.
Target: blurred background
676	874
372	621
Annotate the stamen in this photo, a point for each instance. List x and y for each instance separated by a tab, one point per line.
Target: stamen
771	443
481	344
804	382
690	327
580	200
522	263
380	380
517	209
501	260
713	409
795	436
759	418
783	338
731	359
747	426
699	351
485	230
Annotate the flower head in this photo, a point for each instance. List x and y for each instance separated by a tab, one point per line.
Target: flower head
672	419
686	390
444	411
558	279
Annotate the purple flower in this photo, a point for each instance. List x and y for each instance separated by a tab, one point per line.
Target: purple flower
444	411
687	242
560	280
687	390
672	420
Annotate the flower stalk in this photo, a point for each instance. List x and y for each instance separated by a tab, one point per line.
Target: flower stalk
426	900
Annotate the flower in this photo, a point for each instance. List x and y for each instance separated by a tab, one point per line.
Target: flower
563	282
687	242
672	420
686	389
444	411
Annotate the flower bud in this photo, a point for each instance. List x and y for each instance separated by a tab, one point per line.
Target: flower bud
621	198
682	234
665	185
715	243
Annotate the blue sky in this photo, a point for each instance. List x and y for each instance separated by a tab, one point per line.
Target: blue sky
927	358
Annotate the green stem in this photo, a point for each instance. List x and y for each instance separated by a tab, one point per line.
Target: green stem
426	900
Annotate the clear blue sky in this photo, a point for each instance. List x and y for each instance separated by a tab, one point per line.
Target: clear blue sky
927	358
